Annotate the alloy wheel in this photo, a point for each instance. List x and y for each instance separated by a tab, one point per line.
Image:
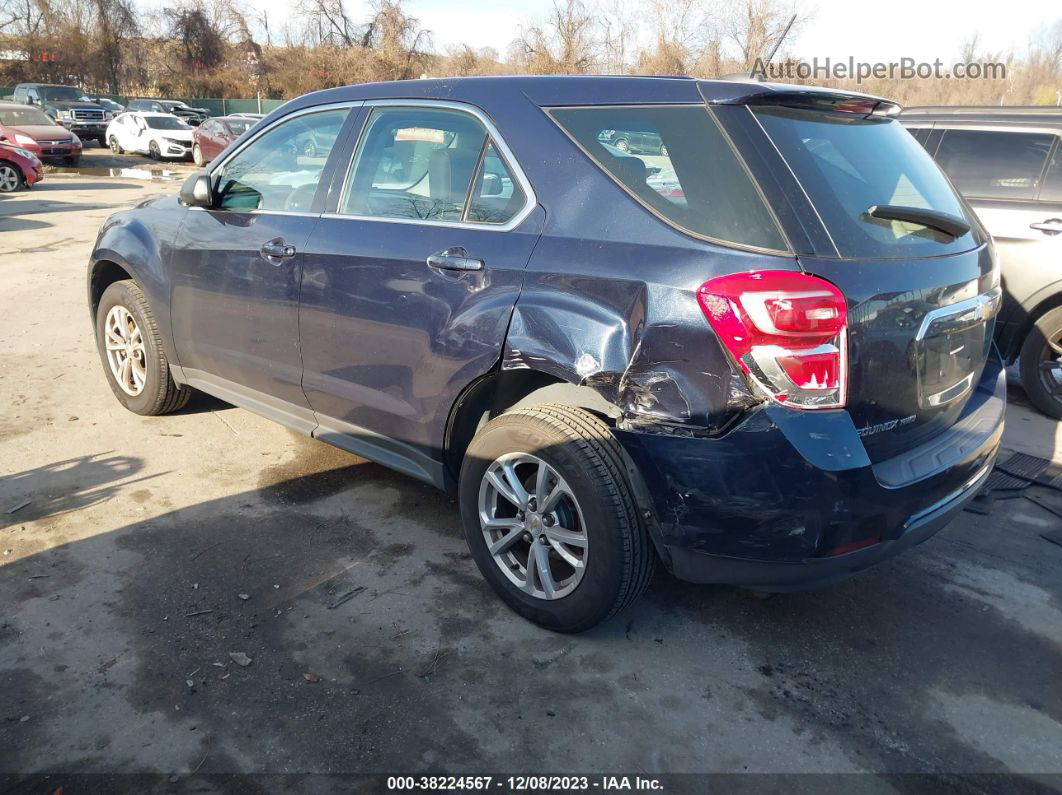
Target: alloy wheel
533	526
126	355
1050	368
10	179
114	146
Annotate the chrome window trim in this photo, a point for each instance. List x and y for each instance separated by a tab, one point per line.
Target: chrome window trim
517	172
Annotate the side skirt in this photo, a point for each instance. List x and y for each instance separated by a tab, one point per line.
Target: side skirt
391	453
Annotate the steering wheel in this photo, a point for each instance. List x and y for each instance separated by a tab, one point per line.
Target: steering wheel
300	199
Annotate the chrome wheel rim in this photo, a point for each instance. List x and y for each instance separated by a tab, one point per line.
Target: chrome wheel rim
1050	367
125	350
533	526
9	179
114	144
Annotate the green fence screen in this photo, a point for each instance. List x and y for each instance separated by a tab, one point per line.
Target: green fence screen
217	107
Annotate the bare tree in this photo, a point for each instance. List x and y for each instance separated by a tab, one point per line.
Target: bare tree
756	27
566	44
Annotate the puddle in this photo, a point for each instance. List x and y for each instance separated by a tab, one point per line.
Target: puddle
152	174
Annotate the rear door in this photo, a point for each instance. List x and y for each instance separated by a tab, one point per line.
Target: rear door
411	278
921	301
1006	177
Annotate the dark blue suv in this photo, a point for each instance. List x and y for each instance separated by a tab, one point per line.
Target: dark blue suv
760	354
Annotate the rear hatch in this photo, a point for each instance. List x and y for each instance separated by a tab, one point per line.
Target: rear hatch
872	213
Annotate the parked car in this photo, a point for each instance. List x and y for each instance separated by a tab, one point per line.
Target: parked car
32	129
158	135
211	137
1007	162
775	379
193	116
109	105
641	142
19	168
68	106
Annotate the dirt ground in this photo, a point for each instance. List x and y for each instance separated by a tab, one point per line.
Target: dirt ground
144	559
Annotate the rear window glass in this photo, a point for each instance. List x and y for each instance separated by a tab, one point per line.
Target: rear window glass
1052	189
676	161
994	165
847	164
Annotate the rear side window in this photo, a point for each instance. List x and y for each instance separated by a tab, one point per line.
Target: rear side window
847	163
994	165
676	161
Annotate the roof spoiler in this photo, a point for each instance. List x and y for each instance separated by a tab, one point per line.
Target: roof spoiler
812	98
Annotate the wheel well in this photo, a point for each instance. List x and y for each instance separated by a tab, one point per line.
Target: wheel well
104	274
502	390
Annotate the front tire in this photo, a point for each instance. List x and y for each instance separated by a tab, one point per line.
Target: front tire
154	152
547	486
102	141
116	147
623	145
197	156
1040	363
72	162
130	348
10	178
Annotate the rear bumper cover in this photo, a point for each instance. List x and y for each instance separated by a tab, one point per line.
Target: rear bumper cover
789	500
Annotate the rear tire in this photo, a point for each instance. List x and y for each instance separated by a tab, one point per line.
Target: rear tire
579	448
158	392
1040	363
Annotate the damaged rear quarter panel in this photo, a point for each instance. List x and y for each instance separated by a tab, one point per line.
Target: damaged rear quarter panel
622	317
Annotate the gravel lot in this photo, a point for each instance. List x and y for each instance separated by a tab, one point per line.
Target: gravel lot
149	551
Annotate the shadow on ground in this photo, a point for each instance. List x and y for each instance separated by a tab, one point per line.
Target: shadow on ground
375	646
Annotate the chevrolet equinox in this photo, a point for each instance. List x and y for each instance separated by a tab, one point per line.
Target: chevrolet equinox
760	353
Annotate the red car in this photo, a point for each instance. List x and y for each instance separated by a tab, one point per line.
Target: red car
32	129
18	167
213	135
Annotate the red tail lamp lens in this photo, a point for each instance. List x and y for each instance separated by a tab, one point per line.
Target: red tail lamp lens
786	330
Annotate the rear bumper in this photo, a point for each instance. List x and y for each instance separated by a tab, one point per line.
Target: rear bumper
790	501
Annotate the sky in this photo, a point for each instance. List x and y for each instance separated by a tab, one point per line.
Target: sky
868	30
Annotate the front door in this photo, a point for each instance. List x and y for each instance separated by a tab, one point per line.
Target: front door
238	268
409	285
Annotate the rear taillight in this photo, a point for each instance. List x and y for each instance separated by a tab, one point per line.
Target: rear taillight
786	330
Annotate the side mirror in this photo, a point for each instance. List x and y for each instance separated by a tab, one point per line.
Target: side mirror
195	192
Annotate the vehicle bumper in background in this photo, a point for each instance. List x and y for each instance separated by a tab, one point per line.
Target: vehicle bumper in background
176	150
789	500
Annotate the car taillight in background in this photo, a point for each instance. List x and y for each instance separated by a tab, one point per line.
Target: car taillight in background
786	330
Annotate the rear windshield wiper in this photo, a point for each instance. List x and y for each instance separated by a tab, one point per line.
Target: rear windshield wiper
943	222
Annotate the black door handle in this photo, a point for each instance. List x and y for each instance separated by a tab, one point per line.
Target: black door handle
277	250
454	259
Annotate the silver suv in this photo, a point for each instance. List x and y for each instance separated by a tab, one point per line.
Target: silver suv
1007	162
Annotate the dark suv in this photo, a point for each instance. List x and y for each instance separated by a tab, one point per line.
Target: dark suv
192	116
773	375
69	106
1007	162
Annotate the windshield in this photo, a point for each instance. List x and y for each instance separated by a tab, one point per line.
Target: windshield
63	94
165	123
847	163
25	117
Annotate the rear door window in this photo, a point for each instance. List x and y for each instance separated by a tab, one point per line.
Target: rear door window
848	163
676	162
430	164
1052	188
994	165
